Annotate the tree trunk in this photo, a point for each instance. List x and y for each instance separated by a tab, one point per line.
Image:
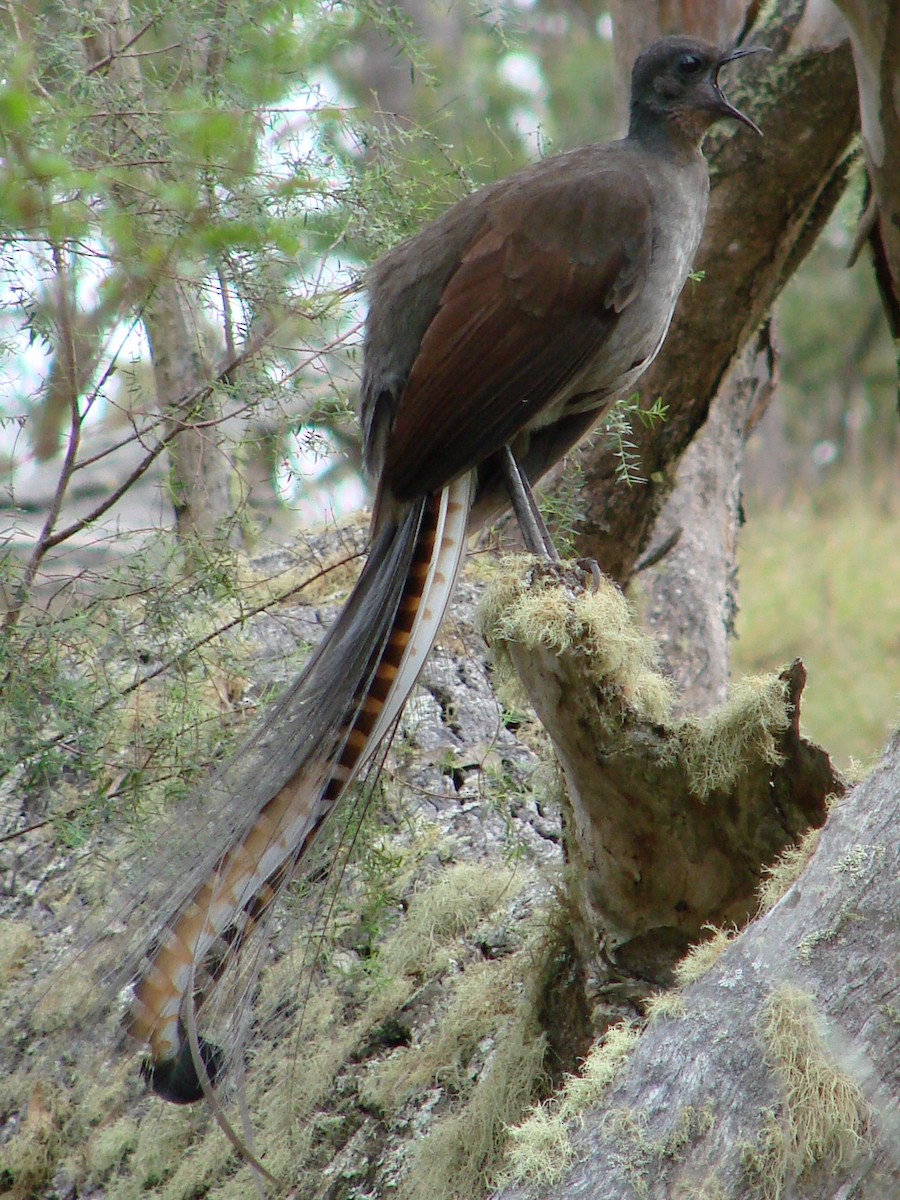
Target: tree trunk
689	600
200	466
199	456
778	1072
875	34
669	823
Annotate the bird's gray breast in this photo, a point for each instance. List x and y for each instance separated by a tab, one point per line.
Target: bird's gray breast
679	211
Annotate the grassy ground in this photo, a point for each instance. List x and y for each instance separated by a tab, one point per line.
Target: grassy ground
820	579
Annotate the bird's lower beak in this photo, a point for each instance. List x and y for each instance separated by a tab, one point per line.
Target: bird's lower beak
726	108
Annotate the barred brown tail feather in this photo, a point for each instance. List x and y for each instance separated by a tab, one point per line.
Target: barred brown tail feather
325	729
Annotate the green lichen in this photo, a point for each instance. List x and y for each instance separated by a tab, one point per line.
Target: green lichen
823	1115
716	750
600	1068
859	862
810	942
640	1156
786	870
525	608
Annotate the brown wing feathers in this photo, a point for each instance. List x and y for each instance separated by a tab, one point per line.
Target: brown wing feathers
514	327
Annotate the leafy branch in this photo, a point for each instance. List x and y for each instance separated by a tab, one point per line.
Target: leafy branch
619	428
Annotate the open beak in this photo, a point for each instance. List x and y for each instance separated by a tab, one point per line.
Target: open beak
725	108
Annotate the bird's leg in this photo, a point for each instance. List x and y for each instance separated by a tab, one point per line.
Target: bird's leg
535	533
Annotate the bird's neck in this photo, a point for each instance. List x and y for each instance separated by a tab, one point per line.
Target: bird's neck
678	137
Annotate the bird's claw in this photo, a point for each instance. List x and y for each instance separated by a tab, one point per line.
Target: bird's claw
591	567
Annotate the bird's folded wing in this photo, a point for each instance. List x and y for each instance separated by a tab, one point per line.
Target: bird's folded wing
534	300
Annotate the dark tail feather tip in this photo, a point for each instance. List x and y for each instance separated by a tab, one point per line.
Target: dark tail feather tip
176	1079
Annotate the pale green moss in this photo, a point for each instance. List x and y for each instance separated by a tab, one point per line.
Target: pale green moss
208	1159
702	956
600	1068
715	750
441	912
823	1116
110	1145
16	942
524	607
668	1005
540	1148
163	1140
68	1002
533	611
642	1157
30	1157
459	1158
786	870
859	862
485	997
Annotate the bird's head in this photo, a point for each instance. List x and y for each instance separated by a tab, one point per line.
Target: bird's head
675	88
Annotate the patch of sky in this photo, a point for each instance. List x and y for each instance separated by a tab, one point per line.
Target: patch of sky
522	71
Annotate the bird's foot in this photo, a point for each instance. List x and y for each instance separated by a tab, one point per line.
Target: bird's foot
591	567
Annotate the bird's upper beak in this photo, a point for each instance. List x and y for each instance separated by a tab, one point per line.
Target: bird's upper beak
725	108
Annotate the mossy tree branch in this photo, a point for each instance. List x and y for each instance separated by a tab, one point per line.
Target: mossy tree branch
670	822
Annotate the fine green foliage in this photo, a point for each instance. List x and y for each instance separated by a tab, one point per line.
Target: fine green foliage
115	707
619	431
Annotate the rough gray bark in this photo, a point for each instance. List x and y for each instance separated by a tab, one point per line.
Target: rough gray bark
689	600
781	1076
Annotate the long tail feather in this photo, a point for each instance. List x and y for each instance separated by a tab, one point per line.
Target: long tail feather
322	734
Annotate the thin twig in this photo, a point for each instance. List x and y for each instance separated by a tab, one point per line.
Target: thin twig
120	50
44	541
187	401
238	620
244	615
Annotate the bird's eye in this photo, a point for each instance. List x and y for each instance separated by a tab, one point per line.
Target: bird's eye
689	64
